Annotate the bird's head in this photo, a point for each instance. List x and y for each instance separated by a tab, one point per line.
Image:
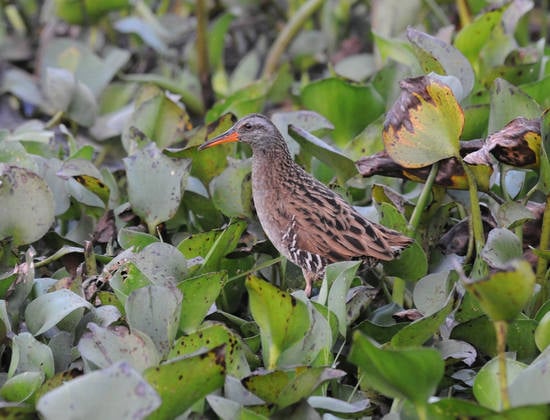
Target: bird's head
254	129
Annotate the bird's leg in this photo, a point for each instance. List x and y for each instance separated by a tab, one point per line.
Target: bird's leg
310	277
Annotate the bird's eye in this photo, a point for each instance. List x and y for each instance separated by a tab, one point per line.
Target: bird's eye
248	126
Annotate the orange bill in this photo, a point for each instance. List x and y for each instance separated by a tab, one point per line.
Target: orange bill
228	137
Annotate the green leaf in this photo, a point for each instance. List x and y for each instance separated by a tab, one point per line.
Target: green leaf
161	263
283	320
422	329
348	106
531	385
101	347
337	406
507	103
77	57
503	294
47	310
502	246
383	369
210	336
129	396
431	292
227	409
184	381
542	333
513	214
199	294
317	341
157	117
424	124
88	10
474	36
224	244
334	290
155	184
21	387
487	386
480	332
432	53
231	191
155	311
27	205
30	355
129	238
286	387
343	166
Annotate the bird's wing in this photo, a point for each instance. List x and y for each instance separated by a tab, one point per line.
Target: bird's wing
325	224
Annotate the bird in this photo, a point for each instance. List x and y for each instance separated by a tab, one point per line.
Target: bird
306	221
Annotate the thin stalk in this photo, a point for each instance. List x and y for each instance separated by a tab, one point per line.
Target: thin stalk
203	63
89	259
463	12
501	329
287	34
438	13
422	411
475	210
542	263
54	119
423	199
398	291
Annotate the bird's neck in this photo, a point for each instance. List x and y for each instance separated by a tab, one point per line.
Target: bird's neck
270	166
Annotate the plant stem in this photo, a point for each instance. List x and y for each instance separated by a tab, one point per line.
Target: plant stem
423	199
475	210
286	35
398	291
422	411
542	263
258	267
54	119
463	12
501	329
203	63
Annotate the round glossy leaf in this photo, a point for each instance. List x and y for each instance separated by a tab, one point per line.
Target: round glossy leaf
21	387
507	102
30	355
155	184
532	384
127	393
430	292
161	263
199	294
348	106
184	381
27	209
232	191
101	347
433	53
503	294
283	320
210	336
47	310
383	369
285	387
502	246
486	385
155	311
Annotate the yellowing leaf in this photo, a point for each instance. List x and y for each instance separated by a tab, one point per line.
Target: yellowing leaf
424	124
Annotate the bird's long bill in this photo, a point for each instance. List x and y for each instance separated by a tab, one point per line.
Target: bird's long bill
227	137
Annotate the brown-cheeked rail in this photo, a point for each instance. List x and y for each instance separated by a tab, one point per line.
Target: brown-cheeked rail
307	222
